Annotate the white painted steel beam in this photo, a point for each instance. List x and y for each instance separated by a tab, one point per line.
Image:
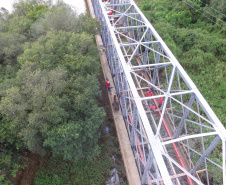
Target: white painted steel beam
152	65
130	27
185	171
189	137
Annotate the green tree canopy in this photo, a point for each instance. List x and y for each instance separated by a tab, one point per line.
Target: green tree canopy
54	91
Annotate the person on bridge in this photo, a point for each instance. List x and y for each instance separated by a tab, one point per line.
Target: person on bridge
152	108
149	93
160	102
107	83
109	12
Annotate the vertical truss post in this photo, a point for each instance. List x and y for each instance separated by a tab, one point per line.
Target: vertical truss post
121	9
123	98
111	57
109	48
207	151
185	115
113	1
144	178
171	79
147	39
138	29
105	36
121	20
134	125
95	4
131	30
126	22
117	73
116	2
138	35
157	58
103	31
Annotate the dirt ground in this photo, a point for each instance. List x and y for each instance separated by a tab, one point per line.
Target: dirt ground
26	176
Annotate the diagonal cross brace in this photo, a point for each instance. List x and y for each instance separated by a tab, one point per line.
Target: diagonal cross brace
147	39
134	125
157	58
123	98
147	167
207	151
186	113
117	72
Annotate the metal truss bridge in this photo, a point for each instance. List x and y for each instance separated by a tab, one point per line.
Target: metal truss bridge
182	142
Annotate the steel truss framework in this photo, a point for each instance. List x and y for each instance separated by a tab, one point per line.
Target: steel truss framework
174	143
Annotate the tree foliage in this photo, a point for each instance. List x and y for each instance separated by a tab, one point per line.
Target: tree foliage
55	89
49	68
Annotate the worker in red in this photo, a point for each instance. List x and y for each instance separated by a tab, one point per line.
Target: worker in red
152	108
107	83
109	13
149	93
160	102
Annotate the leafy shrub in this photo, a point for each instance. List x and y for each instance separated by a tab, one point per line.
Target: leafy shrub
147	7
180	18
50	177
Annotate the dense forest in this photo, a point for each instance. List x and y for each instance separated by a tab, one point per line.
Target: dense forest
51	110
195	31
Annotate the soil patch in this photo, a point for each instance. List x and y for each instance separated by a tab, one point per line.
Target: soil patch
27	175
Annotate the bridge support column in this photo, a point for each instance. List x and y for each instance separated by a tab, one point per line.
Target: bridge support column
186	113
